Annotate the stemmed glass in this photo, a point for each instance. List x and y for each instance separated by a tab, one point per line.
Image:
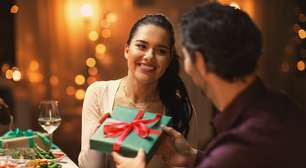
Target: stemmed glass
49	117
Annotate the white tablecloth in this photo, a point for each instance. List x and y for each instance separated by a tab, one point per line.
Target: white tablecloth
66	162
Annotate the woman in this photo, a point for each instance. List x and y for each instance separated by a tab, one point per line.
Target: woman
152	84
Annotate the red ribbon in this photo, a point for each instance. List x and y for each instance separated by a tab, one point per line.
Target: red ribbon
122	129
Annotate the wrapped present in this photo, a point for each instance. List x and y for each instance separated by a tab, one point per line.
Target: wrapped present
21	139
126	130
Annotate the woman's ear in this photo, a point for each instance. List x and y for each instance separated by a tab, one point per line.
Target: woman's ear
126	51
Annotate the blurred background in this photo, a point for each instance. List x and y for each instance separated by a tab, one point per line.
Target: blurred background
54	49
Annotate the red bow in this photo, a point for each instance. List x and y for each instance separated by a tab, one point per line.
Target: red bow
122	129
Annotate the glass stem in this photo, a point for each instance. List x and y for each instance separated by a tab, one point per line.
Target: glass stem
51	141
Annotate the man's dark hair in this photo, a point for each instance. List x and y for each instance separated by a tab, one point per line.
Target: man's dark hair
227	38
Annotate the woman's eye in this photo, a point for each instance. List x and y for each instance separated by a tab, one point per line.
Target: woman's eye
140	46
162	51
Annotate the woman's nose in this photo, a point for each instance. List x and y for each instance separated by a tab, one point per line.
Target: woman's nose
149	54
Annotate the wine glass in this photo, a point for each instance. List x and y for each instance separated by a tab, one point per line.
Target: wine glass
49	117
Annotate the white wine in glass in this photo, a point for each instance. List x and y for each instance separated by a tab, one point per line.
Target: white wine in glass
49	117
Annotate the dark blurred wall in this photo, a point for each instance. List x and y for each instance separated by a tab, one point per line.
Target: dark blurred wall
277	20
7	33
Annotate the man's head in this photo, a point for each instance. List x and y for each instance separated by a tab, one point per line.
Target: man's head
226	38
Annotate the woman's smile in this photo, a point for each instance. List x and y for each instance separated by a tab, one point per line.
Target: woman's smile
146	68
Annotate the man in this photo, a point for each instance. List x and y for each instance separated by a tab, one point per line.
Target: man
255	126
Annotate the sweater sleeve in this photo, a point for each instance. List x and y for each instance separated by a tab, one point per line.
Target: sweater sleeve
90	115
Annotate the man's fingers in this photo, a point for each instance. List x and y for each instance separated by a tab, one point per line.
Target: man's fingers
170	131
117	157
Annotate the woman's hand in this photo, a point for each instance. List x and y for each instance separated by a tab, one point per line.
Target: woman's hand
125	162
179	152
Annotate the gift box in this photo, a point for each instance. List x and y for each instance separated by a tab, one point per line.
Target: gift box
126	130
23	139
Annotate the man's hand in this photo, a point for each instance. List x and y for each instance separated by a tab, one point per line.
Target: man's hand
179	152
124	162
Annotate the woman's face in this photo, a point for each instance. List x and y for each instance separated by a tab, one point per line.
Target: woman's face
148	54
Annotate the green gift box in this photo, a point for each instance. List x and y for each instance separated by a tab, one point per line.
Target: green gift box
132	142
21	139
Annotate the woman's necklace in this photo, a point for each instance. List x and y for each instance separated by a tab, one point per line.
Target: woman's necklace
132	103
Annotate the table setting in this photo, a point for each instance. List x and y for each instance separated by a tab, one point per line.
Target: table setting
35	149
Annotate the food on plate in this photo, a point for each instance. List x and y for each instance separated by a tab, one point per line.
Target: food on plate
27	153
42	163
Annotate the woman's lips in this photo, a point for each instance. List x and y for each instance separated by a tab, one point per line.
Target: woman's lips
146	67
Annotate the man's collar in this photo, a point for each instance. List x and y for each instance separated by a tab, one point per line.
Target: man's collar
227	119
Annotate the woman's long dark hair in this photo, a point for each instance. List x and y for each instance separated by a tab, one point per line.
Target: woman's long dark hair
172	90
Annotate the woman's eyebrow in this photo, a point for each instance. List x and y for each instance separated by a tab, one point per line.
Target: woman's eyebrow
160	45
142	41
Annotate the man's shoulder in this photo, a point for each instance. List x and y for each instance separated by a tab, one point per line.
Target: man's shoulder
274	106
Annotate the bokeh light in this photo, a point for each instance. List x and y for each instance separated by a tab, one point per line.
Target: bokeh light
35	77
80	94
14	9
302	34
300	65
100	48
16	75
93	36
106	33
111	17
79	79
34	65
90	62
93	71
86	10
70	90
9	74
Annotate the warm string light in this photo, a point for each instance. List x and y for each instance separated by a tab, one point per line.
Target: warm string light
302	34
90	62
93	36
13	73
86	10
97	36
300	65
80	94
295	50
33	73
16	75
70	90
79	79
100	48
14	9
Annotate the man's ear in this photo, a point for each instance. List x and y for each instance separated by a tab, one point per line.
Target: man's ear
200	63
126	51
